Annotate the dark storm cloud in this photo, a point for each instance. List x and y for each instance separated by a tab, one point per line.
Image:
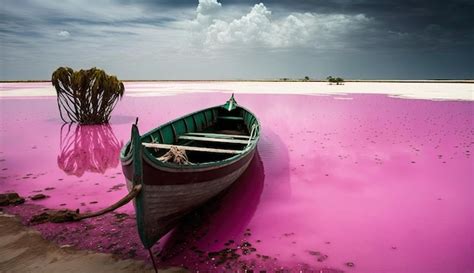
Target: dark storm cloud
405	15
419	23
155	21
452	14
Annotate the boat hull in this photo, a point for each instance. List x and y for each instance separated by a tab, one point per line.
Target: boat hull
168	194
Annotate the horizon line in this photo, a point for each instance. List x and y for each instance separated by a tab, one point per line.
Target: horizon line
278	80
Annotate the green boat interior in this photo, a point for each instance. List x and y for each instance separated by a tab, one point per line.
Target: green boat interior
209	135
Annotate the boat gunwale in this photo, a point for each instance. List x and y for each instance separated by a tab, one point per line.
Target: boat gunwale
172	167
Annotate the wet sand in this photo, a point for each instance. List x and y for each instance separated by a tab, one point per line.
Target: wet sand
24	250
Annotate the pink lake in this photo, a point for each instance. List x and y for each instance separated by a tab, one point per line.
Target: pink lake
355	183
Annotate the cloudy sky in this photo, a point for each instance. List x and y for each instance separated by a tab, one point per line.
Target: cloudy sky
232	39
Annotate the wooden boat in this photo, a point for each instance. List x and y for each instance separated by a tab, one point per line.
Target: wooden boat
218	142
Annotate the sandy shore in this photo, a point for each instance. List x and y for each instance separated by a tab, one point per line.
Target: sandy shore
24	250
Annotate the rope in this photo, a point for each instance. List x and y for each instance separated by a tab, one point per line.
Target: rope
254	127
66	215
153	260
175	155
129	197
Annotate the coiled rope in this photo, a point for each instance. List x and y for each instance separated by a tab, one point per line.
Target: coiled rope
175	155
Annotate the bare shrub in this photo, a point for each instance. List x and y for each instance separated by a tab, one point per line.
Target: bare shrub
86	96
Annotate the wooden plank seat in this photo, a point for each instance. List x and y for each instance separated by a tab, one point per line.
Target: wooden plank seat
218	135
230	118
211	139
191	148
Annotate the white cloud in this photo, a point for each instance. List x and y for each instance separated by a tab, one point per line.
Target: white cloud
258	28
206	7
64	34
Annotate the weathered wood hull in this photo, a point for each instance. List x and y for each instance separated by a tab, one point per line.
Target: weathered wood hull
164	204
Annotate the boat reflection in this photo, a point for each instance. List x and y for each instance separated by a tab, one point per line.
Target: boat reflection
88	148
222	219
274	152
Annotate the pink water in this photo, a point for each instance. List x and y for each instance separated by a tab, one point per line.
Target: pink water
381	183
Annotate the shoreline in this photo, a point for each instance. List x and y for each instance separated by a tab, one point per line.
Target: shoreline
22	249
406	90
276	80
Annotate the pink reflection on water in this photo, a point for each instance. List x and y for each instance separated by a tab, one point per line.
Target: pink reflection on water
381	182
88	148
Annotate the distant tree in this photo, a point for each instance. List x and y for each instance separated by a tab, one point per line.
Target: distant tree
330	79
86	96
306	78
337	80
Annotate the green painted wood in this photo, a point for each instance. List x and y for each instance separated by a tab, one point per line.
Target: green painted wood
137	153
190	123
246	120
180	127
167	132
231	104
175	135
208	116
201	124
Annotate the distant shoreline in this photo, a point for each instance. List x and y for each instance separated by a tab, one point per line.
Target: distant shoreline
437	90
290	80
